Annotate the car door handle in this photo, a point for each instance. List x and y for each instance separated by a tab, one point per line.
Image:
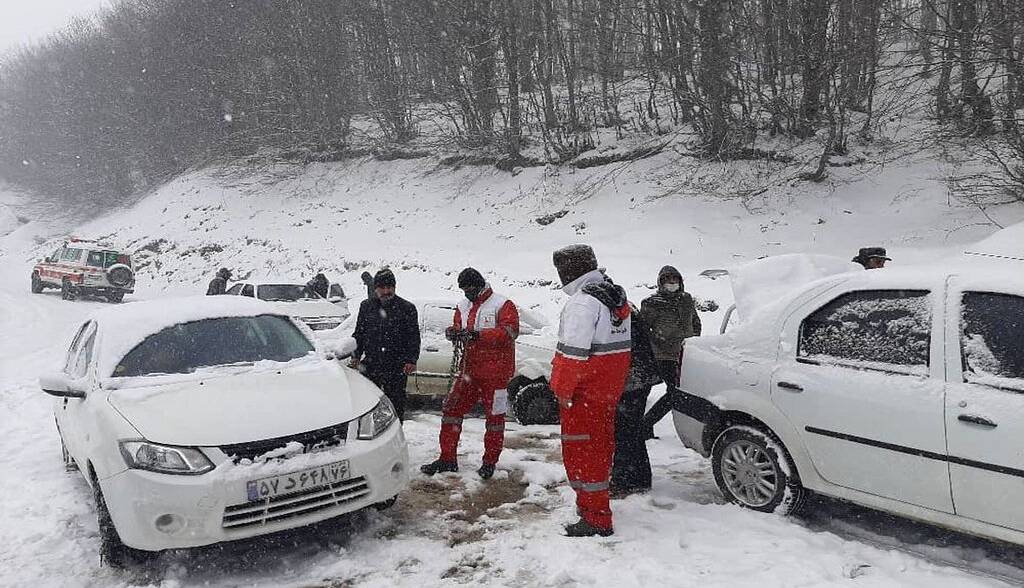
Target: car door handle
977	420
790	386
434	349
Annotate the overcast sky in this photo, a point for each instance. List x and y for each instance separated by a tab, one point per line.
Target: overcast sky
25	21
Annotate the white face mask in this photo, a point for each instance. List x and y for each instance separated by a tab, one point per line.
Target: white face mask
672	287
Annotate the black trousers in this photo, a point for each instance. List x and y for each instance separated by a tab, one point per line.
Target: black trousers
393	384
631	466
669	371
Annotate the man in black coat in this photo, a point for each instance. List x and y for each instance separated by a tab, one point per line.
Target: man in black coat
631	466
318	285
219	283
388	340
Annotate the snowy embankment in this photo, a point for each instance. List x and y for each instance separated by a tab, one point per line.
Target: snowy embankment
427	223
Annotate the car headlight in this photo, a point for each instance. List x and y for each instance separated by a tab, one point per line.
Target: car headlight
377	420
142	455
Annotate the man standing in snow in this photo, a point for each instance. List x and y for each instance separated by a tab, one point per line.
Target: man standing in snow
487	325
588	374
318	285
671	316
871	257
219	283
387	338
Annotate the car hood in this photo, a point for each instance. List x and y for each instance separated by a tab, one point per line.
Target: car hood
307	308
243	407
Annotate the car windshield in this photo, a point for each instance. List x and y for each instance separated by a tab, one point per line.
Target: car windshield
283	292
106	259
186	347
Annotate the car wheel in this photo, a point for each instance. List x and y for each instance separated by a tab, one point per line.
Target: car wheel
37	284
67	291
113	552
536	405
115	298
752	470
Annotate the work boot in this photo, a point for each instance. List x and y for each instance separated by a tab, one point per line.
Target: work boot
486	471
439	465
582	528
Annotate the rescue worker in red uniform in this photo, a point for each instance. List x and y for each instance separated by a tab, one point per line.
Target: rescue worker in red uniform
488	325
588	376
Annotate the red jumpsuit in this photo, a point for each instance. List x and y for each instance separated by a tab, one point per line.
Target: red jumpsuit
589	370
487	366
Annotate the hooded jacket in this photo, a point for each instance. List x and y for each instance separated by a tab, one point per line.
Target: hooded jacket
671	317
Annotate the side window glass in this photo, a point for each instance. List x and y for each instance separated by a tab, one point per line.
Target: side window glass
889	327
72	254
335	291
56	255
84	357
248	290
234	289
76	344
991	341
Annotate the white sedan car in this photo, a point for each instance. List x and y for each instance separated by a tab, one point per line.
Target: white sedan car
291	297
210	419
900	389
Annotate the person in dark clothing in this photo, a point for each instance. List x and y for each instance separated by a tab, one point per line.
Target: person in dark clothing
368	281
387	338
219	283
871	257
631	466
318	285
671	317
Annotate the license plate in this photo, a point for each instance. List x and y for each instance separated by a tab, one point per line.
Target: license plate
273	486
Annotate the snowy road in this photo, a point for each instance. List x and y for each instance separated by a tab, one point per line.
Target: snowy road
455	530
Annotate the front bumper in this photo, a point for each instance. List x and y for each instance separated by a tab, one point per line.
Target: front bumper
214	507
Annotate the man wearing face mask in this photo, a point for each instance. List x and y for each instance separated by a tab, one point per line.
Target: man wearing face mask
671	317
487	324
588	374
387	338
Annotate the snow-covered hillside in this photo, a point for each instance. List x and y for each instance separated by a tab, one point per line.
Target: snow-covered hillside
427	222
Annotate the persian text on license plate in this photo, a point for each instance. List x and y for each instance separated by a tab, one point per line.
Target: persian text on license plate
297	481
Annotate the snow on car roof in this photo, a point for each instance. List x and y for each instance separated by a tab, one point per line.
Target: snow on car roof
758	283
1006	243
124	326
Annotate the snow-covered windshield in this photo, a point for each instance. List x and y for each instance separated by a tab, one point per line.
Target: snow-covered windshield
993	347
284	292
186	347
874	326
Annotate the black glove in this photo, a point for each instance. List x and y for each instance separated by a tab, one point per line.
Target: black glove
451	333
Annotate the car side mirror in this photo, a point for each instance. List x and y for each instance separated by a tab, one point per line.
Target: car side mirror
58	384
339	349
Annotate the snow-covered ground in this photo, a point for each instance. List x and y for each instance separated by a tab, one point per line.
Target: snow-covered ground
427	223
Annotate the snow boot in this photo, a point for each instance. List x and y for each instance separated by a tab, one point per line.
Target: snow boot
486	471
582	528
439	465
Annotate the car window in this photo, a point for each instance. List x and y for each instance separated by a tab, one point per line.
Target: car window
284	292
186	347
436	318
84	356
71	254
234	289
335	291
76	343
870	327
990	338
248	290
56	255
106	259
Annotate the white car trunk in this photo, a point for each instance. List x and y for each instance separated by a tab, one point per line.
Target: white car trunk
241	408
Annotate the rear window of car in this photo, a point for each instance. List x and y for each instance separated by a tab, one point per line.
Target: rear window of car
187	347
105	259
871	327
991	340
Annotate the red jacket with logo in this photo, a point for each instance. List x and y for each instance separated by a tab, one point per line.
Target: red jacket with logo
496	318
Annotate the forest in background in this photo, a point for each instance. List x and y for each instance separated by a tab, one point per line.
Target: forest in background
147	89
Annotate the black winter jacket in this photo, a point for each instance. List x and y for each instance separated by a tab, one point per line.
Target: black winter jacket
218	285
387	336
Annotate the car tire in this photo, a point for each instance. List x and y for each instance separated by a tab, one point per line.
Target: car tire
67	291
115	298
113	551
37	284
753	470
536	405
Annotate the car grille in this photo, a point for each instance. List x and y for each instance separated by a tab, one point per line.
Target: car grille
311	441
318	323
286	506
